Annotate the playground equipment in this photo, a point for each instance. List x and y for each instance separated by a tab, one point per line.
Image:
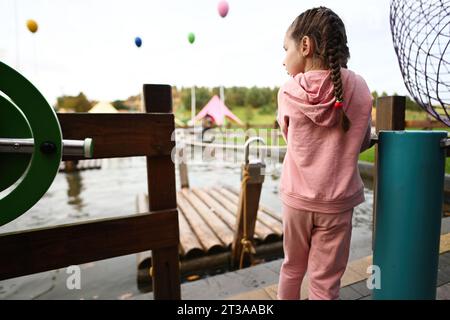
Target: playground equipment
421	40
31	145
25	114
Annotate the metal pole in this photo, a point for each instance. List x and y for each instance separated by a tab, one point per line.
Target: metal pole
409	212
82	148
193	105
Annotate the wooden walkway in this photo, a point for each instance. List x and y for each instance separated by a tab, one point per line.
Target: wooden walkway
353	285
256	283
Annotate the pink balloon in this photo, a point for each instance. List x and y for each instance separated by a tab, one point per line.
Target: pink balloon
223	8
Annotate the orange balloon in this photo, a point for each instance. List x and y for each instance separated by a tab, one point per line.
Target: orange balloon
32	25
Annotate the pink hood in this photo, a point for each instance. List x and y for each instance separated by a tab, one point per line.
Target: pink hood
320	169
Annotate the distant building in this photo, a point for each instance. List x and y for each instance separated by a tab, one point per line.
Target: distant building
103	107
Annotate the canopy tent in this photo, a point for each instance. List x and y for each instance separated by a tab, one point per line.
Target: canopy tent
217	110
103	107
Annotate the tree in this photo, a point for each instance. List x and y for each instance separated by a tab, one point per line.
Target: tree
74	103
255	97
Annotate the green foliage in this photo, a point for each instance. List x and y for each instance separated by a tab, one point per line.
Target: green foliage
119	105
74	103
202	96
256	97
248	113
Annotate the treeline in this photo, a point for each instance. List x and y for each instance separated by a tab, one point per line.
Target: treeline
264	100
258	98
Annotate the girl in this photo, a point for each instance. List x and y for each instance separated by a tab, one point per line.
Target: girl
324	113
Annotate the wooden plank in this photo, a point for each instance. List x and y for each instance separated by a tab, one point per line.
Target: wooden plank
52	248
120	135
166	273
390	115
270	212
220	228
162	192
183	170
261	231
161	183
263	217
207	238
189	243
143	258
246	217
219	209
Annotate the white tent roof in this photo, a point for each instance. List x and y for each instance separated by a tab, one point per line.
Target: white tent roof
103	107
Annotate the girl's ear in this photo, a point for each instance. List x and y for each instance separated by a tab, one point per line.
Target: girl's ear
305	46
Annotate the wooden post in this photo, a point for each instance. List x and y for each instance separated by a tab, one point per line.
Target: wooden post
390	116
183	170
251	191
165	261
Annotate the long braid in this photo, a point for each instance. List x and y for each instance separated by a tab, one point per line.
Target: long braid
335	53
327	31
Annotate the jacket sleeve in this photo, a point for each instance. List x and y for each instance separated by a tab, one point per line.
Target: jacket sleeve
366	142
281	116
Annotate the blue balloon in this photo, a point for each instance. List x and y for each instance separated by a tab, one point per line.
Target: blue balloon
138	42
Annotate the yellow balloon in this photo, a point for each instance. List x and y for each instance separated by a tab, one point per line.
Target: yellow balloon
32	25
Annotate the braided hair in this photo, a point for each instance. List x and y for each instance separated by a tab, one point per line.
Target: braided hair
327	31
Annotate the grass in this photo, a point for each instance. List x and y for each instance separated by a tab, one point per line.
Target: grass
256	118
369	156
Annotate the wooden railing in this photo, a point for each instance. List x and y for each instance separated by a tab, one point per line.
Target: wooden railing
114	135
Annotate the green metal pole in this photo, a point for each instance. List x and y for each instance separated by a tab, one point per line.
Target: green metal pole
409	212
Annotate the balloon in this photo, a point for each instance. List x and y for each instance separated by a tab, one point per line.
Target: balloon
32	25
223	7
138	42
191	37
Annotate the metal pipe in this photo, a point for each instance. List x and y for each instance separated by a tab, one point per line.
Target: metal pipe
70	147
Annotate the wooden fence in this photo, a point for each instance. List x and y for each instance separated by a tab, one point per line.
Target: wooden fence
115	135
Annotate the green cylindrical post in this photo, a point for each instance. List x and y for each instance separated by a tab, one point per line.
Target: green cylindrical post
409	212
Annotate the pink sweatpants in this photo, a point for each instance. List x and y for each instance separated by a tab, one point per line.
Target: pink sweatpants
317	243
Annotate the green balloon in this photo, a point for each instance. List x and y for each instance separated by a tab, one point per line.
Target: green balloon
191	37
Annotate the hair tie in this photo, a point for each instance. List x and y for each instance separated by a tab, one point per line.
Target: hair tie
338	104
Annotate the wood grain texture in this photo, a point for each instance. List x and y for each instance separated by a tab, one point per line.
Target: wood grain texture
56	247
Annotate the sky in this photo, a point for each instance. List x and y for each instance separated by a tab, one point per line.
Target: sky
88	45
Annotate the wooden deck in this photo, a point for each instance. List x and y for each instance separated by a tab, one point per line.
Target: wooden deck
207	218
260	282
353	284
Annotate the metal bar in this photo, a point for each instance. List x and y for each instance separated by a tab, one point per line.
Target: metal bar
70	147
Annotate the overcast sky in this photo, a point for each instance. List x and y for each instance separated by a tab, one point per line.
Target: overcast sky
88	45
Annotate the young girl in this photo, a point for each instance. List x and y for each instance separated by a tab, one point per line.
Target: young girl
324	113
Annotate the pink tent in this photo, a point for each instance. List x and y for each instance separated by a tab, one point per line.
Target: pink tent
217	110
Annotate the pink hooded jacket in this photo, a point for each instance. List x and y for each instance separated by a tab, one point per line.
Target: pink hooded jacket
320	169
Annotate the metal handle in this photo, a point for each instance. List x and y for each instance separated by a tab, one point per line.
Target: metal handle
445	143
247	146
70	147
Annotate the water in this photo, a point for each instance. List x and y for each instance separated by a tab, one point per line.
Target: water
111	192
